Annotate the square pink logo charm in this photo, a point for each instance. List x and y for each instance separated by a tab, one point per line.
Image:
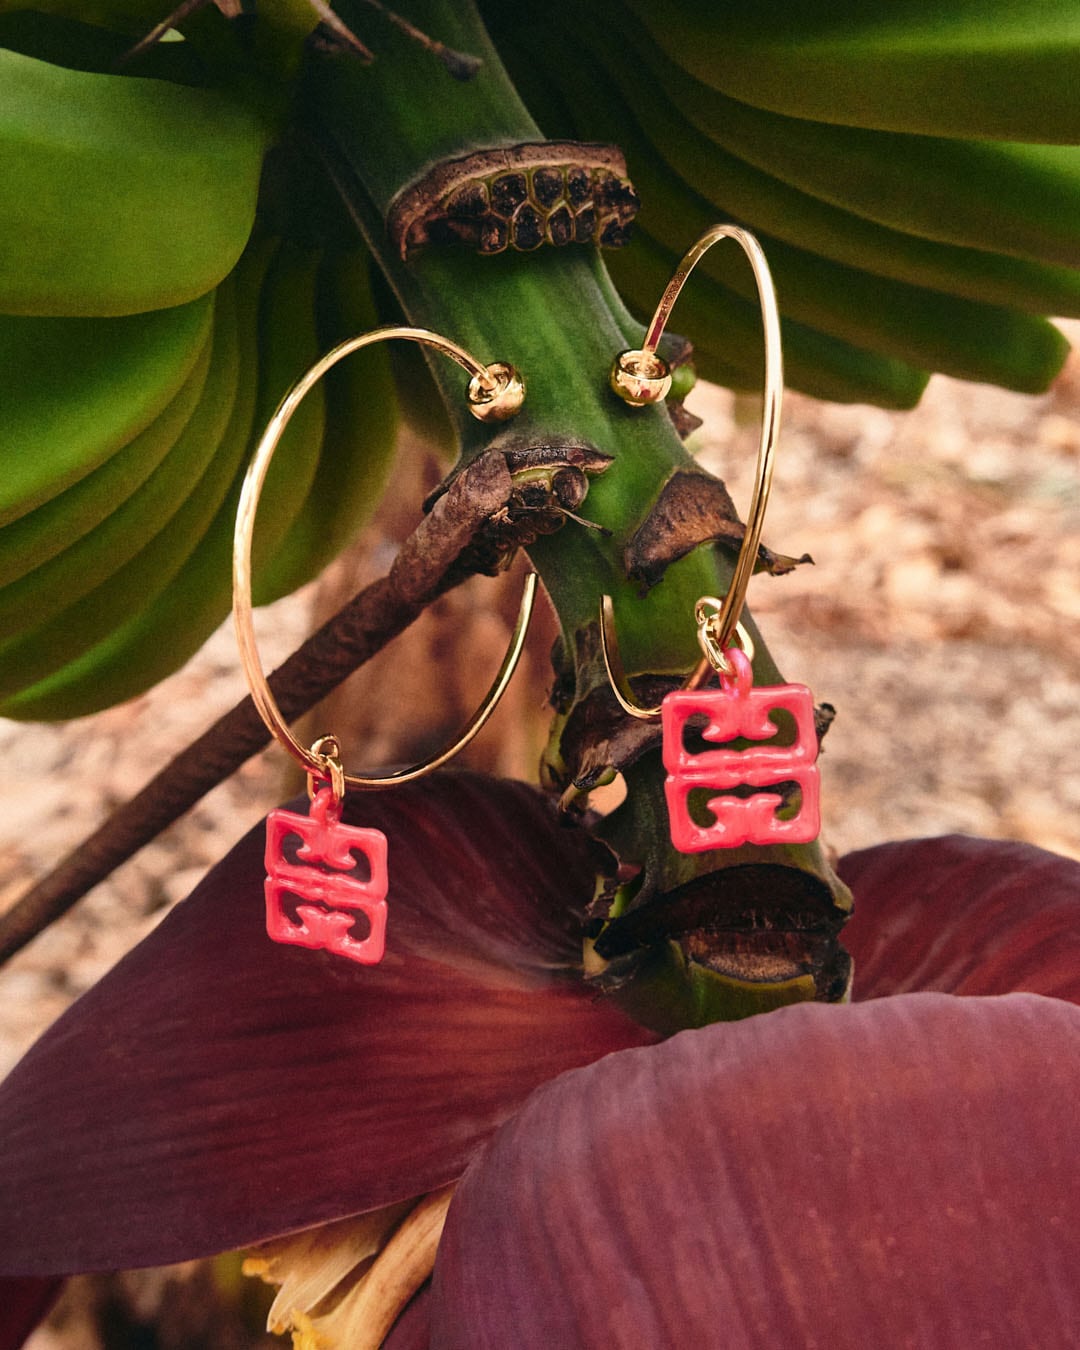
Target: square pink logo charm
738	711
320	878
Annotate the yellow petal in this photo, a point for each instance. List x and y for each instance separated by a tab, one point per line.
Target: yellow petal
309	1265
344	1284
364	1317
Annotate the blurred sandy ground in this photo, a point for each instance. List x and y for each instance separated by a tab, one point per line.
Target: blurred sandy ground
942	619
942	616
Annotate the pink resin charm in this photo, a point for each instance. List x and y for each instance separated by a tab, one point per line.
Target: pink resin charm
334	897
737	710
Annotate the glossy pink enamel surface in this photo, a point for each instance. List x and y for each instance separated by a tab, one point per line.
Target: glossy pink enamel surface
320	878
737	710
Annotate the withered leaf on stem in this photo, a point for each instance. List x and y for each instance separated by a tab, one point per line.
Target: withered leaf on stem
597	735
693	508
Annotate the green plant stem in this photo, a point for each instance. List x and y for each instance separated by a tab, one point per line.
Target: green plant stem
556	316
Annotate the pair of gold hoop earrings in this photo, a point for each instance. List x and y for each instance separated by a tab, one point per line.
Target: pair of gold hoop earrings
495	392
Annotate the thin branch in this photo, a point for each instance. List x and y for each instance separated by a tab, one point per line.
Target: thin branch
342	35
461	65
429	563
183	11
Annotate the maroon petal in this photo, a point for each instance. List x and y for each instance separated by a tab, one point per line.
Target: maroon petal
216	1089
965	916
904	1172
23	1305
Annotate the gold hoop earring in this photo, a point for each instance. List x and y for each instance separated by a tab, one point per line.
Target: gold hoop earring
322	877
735	710
640	377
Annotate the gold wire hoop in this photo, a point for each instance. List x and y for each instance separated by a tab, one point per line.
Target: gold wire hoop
495	392
642	377
712	659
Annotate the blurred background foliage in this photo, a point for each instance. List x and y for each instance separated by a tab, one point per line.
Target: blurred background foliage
171	264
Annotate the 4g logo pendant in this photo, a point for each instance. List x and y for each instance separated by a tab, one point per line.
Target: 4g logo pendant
320	877
737	710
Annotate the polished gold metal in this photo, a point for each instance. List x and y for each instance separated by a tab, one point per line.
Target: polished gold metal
327	751
713	658
708	636
497	394
727	622
491	387
640	378
620	685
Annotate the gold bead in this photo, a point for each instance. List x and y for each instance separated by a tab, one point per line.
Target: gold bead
498	394
640	378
